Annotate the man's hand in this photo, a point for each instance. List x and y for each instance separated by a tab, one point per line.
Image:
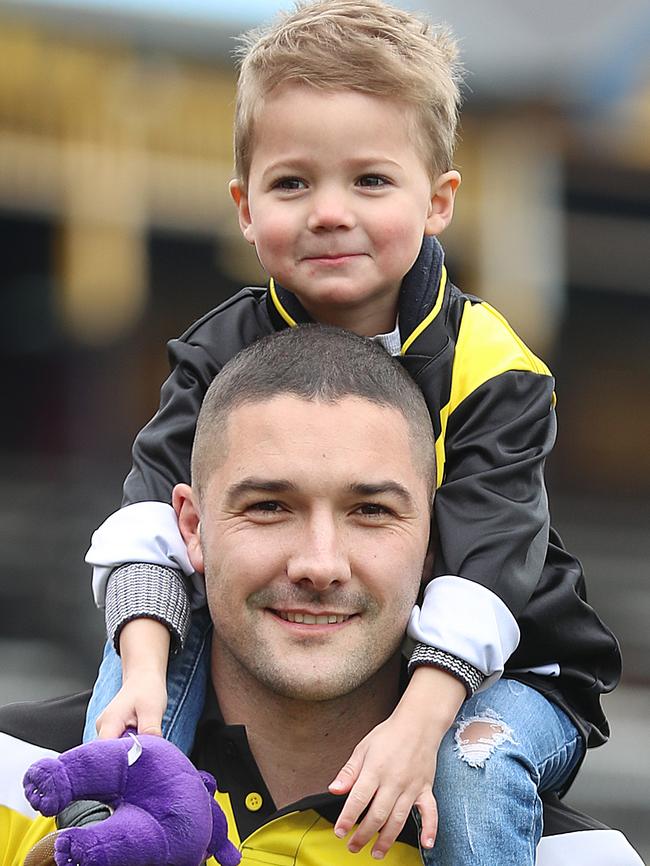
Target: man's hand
142	700
393	767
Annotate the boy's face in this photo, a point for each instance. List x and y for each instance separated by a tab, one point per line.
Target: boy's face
339	200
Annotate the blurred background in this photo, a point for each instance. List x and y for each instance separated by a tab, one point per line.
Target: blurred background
116	232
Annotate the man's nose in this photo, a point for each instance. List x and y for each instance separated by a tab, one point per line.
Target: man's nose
321	558
330	209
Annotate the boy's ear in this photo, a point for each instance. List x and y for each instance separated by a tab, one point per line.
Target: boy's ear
441	206
240	197
189	523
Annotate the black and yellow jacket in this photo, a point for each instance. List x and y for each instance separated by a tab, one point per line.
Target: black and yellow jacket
507	597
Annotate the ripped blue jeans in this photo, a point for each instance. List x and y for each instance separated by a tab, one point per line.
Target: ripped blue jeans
508	744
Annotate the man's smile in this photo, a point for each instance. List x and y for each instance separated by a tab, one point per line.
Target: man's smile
312	618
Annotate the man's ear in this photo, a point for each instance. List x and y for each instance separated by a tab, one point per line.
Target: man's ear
239	195
441	206
189	523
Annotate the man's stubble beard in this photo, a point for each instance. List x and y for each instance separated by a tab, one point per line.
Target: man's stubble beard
251	663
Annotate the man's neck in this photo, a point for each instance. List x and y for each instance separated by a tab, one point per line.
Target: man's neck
299	746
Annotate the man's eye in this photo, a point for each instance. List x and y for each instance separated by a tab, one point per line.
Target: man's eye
373	509
373	180
290	183
269	506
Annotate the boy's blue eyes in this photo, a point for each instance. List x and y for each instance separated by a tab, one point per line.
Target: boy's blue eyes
372	180
290	183
296	183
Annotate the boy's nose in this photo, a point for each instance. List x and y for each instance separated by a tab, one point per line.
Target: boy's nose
329	211
321	559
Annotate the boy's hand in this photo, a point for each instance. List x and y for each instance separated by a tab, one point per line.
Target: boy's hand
139	704
393	767
142	700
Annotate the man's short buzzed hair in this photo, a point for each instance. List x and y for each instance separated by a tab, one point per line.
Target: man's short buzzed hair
311	362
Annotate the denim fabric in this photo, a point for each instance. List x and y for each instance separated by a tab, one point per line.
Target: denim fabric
186	683
488	800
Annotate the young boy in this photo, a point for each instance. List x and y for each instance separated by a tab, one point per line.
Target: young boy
344	135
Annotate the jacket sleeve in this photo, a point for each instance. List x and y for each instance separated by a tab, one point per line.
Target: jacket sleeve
145	529
162	449
491	508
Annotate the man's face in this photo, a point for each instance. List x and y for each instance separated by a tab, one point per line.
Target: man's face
313	533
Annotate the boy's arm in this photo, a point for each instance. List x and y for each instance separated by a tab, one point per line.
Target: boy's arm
492	519
146	599
498	426
142	699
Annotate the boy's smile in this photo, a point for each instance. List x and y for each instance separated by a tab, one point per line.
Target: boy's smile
338	201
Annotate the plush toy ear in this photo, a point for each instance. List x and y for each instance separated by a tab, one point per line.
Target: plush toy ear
209	782
220	847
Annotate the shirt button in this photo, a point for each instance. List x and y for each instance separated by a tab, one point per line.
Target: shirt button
253	802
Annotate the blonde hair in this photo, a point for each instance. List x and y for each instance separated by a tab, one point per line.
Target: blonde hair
362	45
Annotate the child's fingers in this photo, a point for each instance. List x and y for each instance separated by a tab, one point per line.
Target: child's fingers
348	774
149	712
379	815
426	806
393	826
150	724
361	794
110	727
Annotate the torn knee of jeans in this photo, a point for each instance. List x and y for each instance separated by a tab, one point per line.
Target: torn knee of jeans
478	737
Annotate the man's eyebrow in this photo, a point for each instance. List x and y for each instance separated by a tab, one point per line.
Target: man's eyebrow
393	488
258	485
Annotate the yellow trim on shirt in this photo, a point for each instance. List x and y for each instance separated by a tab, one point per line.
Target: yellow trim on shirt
434	312
278	306
307	839
223	800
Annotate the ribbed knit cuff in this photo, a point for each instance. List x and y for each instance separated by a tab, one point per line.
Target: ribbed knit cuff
141	589
468	675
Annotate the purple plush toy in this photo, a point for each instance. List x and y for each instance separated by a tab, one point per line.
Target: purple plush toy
164	808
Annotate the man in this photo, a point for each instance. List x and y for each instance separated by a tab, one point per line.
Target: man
309	515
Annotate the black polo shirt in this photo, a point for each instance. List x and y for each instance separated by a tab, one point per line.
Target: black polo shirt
301	834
